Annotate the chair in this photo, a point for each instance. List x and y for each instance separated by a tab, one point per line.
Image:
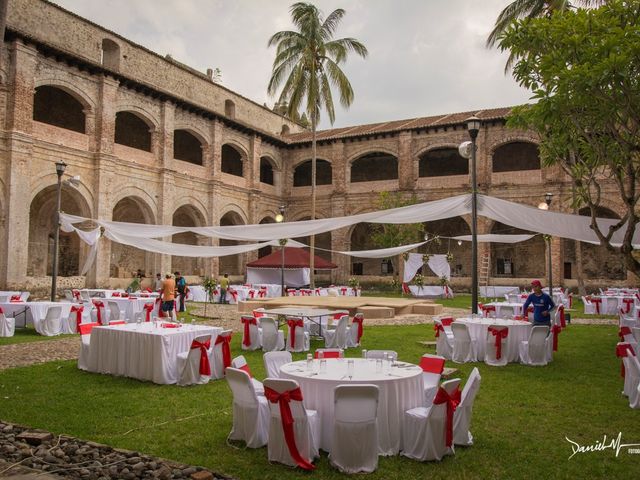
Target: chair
354	447
273	361
497	348
221	354
99	314
251	334
626	335
193	366
589	308
240	363
84	296
7	325
355	330
291	444
444	342
464	349
462	415
632	368
259	313
298	339
432	367
428	432
329	353
610	306
114	312
250	411
507	311
272	337
337	338
533	352
627	319
636	333
85	339
51	324
375	354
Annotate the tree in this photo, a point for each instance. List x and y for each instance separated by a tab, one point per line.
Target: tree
307	65
583	68
389	235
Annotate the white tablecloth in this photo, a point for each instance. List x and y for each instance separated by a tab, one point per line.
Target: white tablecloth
497	292
24	296
143	351
130	306
517	307
401	389
611	304
427	291
100	292
478	327
35	312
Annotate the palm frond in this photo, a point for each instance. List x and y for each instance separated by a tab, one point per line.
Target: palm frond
340	80
330	24
326	98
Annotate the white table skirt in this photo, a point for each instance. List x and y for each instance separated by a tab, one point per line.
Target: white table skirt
130	306
517	307
397	394
497	292
143	351
608	307
35	311
478	328
427	291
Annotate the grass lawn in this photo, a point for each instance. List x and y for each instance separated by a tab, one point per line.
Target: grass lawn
521	416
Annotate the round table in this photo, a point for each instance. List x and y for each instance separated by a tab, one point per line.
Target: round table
401	388
478	327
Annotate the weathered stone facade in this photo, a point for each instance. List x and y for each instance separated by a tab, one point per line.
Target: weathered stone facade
112	110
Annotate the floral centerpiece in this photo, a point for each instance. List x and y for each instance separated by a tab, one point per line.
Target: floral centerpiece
354	284
210	286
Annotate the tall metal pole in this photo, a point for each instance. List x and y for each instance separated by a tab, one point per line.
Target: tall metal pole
60	166
283	242
473	126
549	266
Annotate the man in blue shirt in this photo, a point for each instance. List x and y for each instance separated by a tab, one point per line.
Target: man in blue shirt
542	305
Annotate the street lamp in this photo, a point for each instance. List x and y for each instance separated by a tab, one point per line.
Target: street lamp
283	242
473	127
60	167
545	206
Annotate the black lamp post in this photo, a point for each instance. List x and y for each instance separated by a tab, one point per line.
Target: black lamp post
283	242
60	167
473	127
545	206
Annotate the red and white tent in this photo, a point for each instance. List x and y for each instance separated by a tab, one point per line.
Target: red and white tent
297	272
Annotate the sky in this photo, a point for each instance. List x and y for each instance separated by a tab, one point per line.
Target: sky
426	57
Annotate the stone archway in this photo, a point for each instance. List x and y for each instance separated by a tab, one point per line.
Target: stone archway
126	260
72	251
231	264
264	251
450	227
188	216
360	239
519	260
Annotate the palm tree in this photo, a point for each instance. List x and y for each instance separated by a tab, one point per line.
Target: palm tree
307	66
520	9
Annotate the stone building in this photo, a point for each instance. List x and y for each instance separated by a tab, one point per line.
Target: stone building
157	142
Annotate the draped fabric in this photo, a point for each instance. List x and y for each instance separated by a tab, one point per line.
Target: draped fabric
452	402
225	340
411	265
246	337
499	334
78	309
437	263
205	366
494	238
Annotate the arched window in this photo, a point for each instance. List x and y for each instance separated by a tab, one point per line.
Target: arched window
302	173
229	109
132	131
285	130
441	162
187	147
231	161
516	156
374	166
266	171
56	107
110	54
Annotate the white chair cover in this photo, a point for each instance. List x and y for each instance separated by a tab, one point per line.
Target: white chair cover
589	308
533	352
85	343
636	333
115	315
354	447
424	430
507	311
337	338
255	333
104	314
52	323
549	345
188	364
431	380
302	342
352	331
462	415
464	349
632	373
444	342
217	357
490	357
305	428
7	326
381	353
250	412
273	361
241	364
272	337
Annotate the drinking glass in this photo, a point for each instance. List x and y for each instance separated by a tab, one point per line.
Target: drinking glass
350	368
378	365
320	355
309	362
193	323
364	353
323	366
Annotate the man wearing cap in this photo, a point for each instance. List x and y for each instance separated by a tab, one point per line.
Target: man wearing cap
542	305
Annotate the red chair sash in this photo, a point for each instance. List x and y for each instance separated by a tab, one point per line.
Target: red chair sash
432	365
262	293
245	368
148	308
15	298
571	300
294	323
438	328
343	290
78	309
597	302
99	306
405	289
283	399
148	290
86	328
76	294
488	308
623	332
623	350
246	338
452	402
115	294
446	321
252	293
205	367
291	292
317	292
627	302
563	322
225	340
1	311
358	319
234	294
556	329
499	334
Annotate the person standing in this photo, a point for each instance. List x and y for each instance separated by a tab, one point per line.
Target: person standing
157	284
168	296
542	305
181	285
224	286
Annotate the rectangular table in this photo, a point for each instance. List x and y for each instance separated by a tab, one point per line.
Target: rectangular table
144	351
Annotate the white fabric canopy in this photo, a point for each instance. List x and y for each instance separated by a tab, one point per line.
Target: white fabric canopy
494	238
437	263
380	253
